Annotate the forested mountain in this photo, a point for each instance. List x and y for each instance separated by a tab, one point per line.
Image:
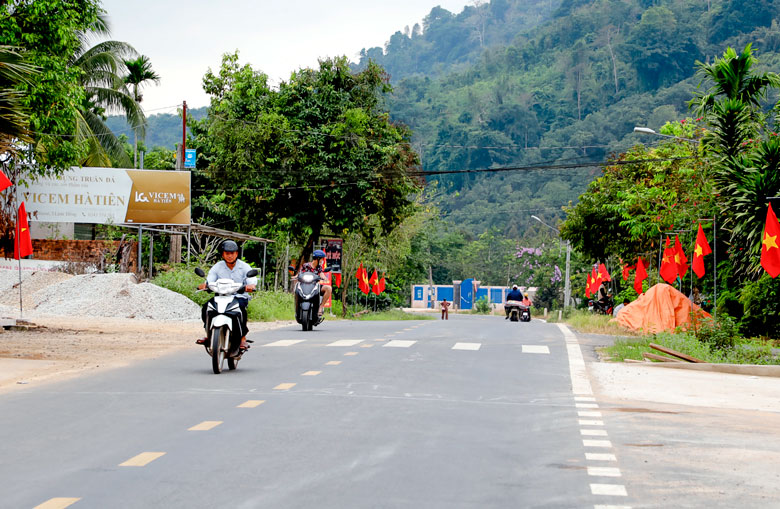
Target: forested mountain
570	90
446	41
163	130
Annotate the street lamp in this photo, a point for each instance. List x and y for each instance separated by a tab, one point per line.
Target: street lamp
647	130
567	283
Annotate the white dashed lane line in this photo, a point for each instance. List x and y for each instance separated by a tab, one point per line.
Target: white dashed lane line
587	406
285	342
346	342
398	343
467	346
536	349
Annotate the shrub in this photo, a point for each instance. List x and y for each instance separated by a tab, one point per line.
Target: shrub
761	301
482	306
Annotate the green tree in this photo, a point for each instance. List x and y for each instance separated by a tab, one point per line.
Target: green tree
49	31
102	68
745	151
139	74
14	119
319	152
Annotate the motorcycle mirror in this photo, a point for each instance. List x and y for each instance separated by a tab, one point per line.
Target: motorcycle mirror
326	269
200	272
291	268
251	273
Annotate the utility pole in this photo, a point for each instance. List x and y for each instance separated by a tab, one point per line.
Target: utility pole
184	133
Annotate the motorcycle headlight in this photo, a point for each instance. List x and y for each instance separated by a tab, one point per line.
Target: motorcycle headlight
307	278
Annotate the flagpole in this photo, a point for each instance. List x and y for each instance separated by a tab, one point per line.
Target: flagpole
19	252
715	268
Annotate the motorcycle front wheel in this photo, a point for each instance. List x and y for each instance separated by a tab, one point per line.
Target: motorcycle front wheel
218	346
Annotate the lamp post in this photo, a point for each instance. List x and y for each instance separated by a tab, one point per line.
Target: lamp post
647	130
567	283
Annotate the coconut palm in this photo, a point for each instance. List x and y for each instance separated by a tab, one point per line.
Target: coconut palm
747	161
13	118
103	70
139	74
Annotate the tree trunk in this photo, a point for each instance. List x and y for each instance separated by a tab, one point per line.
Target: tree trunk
174	252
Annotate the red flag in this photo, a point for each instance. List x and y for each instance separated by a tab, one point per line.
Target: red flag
627	271
22	241
337	279
588	283
669	269
595	281
770	251
641	275
4	182
702	248
374	278
362	277
382	284
603	273
679	257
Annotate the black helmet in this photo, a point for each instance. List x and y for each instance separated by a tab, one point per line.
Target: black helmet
229	246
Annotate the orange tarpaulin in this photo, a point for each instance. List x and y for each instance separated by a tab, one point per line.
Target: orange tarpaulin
661	308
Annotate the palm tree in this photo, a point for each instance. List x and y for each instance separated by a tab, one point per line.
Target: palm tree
13	118
139	73
102	77
747	164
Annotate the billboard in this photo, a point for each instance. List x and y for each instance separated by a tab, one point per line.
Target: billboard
110	195
332	248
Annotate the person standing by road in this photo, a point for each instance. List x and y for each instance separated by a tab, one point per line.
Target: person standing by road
445	306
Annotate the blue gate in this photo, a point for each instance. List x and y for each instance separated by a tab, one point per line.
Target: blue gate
467	294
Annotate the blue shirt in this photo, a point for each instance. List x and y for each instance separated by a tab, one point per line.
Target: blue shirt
514	295
238	274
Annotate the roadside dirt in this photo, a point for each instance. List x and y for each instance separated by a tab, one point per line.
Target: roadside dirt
56	348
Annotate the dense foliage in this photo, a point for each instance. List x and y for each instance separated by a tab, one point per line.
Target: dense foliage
317	154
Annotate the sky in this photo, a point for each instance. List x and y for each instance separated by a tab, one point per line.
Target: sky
183	39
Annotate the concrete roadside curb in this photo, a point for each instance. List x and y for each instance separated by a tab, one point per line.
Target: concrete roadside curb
734	369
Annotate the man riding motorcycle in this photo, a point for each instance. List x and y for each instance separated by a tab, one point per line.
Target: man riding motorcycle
231	268
514	294
317	265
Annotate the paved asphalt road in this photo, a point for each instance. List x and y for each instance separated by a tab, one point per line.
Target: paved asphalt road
473	412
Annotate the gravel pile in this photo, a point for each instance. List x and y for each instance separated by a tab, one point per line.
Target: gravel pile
107	295
32	282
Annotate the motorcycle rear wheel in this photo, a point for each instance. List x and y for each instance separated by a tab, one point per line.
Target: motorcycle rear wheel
218	345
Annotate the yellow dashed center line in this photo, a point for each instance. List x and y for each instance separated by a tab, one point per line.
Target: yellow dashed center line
350	353
205	426
142	459
333	363
284	387
57	503
311	373
366	346
252	403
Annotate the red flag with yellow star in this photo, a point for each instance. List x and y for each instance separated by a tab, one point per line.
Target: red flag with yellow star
770	251
679	257
604	273
595	281
588	284
701	249
669	270
22	241
641	275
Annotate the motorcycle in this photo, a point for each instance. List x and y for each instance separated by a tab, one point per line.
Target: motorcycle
307	289
602	306
518	312
514	307
525	313
223	322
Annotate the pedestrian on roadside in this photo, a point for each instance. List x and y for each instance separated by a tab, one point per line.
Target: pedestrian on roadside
445	306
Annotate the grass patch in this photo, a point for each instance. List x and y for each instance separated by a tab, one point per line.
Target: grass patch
393	314
264	306
591	323
744	351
